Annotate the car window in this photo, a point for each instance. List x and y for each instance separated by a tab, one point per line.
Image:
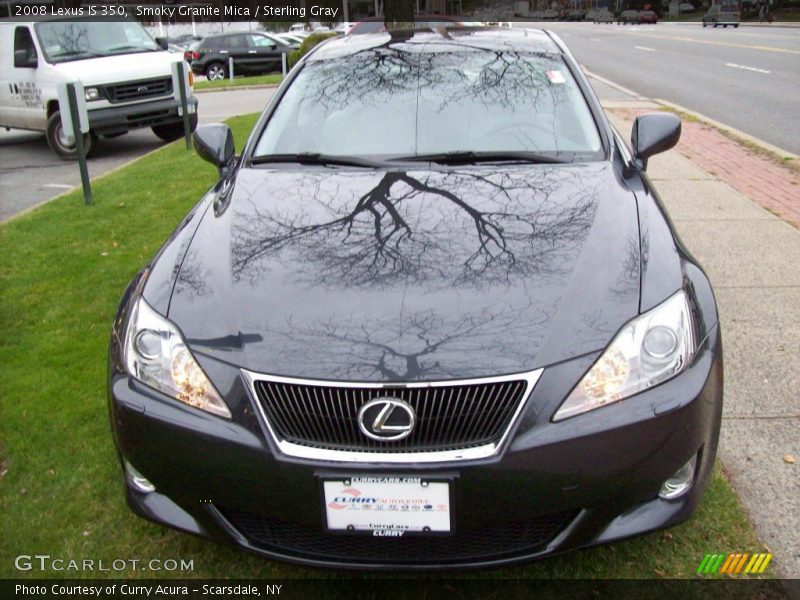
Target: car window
64	41
24	41
369	27
237	41
262	41
394	102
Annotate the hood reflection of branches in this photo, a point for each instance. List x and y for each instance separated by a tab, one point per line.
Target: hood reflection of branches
376	240
408	350
506	77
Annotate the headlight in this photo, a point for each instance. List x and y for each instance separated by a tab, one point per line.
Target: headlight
156	354
650	349
91	93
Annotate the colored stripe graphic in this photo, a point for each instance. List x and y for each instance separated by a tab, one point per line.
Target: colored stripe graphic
764	564
735	563
703	568
728	561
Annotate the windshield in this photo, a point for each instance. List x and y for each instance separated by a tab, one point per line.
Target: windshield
64	41
392	102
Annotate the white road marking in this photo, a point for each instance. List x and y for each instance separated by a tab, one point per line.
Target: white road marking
746	68
645	48
60	186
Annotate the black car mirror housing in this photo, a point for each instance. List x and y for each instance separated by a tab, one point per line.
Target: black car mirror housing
652	134
214	143
163	43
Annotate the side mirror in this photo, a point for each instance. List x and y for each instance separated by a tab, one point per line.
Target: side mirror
163	43
654	133
214	143
26	59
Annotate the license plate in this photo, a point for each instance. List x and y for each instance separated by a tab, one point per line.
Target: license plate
387	506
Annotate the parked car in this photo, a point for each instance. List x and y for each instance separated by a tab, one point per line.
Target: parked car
183	41
603	15
404	293
722	15
252	54
189	52
575	15
686	7
648	16
289	39
629	16
422	21
344	27
296	27
127	78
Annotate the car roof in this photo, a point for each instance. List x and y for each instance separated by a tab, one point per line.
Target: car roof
444	39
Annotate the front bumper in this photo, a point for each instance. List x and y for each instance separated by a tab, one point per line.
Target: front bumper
555	487
120	119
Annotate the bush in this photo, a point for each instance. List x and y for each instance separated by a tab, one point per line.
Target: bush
308	43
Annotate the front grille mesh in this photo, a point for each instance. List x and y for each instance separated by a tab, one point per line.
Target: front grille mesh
449	417
137	90
482	543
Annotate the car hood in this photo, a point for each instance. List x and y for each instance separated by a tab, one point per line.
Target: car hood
369	275
120	67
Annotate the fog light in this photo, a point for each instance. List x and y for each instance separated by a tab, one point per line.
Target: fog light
139	481
92	94
677	485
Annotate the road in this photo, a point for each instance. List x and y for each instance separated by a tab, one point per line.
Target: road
747	78
31	174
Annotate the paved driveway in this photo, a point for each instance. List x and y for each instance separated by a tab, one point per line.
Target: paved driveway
31	174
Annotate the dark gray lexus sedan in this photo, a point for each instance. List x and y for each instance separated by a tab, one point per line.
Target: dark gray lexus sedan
433	315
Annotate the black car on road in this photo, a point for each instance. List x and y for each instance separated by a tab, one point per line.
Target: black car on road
253	53
434	315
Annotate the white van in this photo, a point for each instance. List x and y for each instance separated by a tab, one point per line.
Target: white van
127	79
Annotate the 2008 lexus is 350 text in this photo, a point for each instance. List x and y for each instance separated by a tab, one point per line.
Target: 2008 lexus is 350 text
434	314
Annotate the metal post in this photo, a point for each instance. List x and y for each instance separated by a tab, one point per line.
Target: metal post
283	63
78	135
187	128
230	68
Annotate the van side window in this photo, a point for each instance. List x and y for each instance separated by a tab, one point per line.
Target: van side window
24	41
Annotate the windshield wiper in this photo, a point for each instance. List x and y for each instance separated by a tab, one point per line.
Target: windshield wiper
470	157
315	158
69	53
131	47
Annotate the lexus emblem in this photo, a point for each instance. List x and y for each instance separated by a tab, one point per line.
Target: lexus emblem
142	89
386	419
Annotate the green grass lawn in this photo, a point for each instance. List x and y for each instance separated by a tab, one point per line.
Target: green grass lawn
62	270
238	82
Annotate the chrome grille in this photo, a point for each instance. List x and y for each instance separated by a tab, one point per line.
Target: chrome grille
138	90
467	419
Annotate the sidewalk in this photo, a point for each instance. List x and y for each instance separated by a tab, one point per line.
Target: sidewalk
753	260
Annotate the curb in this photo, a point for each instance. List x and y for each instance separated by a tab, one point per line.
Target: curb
233	88
780	153
92	181
771	148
